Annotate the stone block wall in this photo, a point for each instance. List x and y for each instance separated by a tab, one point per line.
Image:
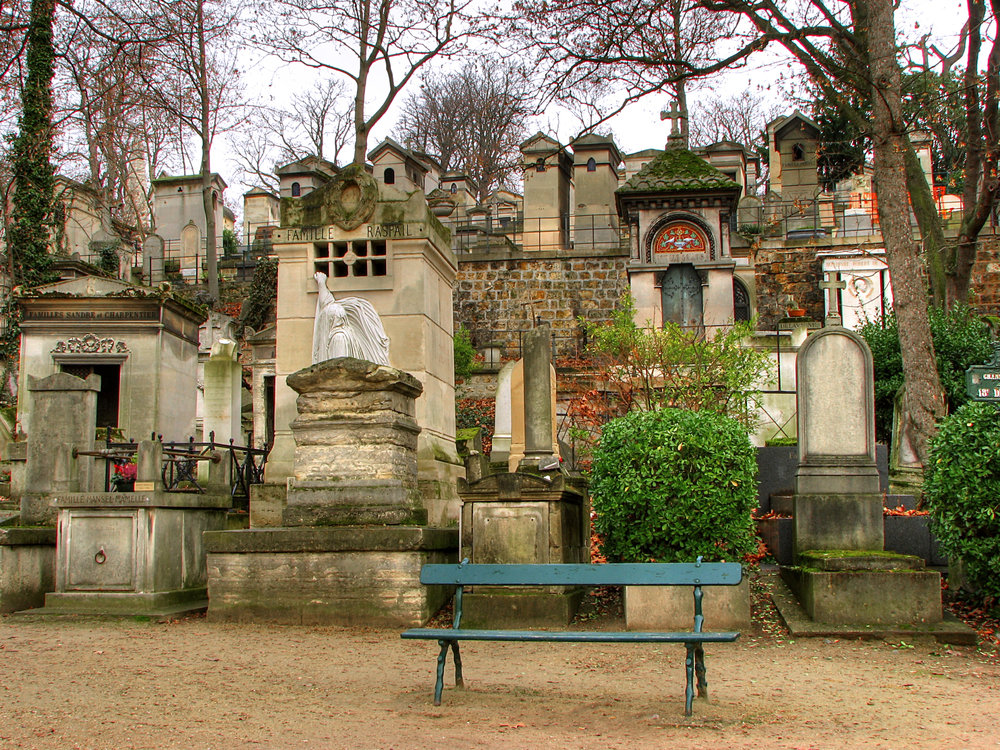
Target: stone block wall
986	276
781	271
497	297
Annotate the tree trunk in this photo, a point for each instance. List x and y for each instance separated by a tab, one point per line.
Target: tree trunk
360	125
929	221
924	401
208	197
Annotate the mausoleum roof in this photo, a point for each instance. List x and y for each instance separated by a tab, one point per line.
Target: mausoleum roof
677	171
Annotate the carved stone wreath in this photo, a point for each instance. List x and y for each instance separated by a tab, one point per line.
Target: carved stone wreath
90	343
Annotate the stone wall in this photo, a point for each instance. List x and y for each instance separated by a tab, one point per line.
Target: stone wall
986	277
780	271
496	297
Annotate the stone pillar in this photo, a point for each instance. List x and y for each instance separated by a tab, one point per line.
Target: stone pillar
537	395
63	417
355	446
223	393
149	464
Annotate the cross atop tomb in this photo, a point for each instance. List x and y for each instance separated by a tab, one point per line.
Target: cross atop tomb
678	130
833	286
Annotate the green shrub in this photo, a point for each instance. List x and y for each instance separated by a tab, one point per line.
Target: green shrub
465	355
961	338
653	368
230	245
107	257
962	491
670	485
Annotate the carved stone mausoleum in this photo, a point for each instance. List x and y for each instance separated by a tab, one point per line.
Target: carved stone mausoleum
143	343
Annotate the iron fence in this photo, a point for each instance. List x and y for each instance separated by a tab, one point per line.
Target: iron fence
832	216
179	467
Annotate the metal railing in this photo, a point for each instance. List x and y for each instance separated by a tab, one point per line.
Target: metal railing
179	467
484	234
829	215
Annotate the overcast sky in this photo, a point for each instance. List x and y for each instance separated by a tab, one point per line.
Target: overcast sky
640	126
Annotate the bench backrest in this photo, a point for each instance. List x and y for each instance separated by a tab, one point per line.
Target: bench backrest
609	574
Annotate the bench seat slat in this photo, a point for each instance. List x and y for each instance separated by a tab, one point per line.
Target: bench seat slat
578	636
609	574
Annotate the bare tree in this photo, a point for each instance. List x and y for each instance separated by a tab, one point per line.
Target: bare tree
741	118
623	50
194	80
319	121
107	123
377	45
473	120
322	115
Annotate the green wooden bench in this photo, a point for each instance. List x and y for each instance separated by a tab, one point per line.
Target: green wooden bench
694	574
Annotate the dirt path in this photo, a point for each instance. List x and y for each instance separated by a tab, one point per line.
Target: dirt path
194	684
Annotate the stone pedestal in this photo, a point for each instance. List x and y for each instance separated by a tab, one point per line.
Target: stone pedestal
133	552
837	522
350	547
523	518
355	446
27	566
865	589
347	575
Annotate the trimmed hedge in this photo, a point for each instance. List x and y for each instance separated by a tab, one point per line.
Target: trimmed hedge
670	485
962	492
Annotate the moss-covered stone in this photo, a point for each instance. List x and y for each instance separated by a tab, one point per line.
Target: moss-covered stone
675	171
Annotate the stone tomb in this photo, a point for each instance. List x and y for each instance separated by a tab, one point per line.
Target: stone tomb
385	246
534	515
842	575
349	550
142	342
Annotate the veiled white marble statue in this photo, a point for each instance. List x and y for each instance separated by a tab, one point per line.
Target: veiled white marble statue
347	327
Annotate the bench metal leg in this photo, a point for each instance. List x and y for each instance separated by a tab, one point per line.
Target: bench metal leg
442	659
699	668
439	685
458	665
689	668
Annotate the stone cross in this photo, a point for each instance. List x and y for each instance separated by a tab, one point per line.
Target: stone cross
675	114
833	286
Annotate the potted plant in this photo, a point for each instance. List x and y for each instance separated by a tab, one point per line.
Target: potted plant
671	485
123	479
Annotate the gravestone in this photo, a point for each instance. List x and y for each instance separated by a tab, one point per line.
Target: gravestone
152	259
841	572
503	415
518	419
223	404
63	416
537	514
906	471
